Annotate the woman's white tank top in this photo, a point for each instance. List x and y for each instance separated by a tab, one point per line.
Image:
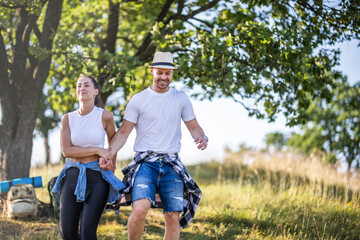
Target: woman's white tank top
88	130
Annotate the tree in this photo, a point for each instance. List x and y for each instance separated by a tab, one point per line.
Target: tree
334	127
266	55
46	121
25	58
276	139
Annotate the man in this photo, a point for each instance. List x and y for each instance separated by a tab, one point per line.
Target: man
156	114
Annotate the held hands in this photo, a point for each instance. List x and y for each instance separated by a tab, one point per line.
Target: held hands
106	164
105	160
201	142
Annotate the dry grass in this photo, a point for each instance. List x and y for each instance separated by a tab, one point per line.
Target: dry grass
277	196
311	167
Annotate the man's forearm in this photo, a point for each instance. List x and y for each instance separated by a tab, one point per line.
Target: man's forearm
117	142
120	137
197	132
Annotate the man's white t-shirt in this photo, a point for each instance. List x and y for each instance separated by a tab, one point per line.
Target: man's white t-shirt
158	119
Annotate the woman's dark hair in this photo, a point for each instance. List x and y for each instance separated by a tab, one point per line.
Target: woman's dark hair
97	101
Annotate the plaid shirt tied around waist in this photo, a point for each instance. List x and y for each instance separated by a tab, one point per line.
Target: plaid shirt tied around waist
192	193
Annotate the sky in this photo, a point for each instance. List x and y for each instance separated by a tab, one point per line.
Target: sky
225	122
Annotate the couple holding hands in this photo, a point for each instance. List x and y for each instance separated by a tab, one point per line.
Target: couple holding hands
155	178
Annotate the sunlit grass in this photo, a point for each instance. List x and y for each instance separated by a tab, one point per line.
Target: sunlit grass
240	201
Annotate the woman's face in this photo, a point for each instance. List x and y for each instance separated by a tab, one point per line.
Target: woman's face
85	89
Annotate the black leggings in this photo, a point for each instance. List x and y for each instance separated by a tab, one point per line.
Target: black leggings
97	190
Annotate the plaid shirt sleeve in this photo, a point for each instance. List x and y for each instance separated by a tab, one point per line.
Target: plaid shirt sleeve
192	193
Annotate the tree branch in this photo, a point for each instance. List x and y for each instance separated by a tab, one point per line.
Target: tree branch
128	40
332	21
37	32
112	29
26	42
146	49
193	13
180	7
7	93
4	66
196	27
50	25
202	9
109	43
11	7
204	22
20	51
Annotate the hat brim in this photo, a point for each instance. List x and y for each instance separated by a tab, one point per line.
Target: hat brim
163	66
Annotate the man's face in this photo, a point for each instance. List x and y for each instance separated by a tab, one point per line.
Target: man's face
161	78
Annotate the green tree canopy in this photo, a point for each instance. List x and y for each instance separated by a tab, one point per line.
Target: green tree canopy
334	127
276	139
267	55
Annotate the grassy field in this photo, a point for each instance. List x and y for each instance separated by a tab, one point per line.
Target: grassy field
278	196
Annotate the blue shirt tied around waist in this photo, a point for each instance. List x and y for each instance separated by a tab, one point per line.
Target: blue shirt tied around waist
115	185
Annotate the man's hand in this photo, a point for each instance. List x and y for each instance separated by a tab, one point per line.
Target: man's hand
106	164
201	142
103	153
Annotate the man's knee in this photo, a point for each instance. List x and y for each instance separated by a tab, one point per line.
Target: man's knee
140	209
171	218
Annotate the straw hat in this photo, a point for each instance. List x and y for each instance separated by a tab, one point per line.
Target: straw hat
163	60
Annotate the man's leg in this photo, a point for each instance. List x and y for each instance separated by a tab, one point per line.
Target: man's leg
171	189
172	227
136	221
142	195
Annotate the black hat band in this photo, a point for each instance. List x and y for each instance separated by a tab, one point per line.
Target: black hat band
163	63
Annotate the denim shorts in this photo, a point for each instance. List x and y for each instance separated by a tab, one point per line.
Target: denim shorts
159	175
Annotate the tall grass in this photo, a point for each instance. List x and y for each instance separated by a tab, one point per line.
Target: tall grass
278	196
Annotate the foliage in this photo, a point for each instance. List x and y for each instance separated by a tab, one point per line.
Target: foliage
268	56
276	139
334	127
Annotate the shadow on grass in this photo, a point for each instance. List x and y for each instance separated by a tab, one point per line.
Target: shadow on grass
37	228
10	229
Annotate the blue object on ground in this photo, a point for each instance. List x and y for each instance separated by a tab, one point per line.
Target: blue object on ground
6	185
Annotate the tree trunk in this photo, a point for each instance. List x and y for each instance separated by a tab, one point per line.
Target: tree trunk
47	149
62	159
22	78
16	137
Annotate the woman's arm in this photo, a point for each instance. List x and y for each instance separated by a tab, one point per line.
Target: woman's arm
109	126
70	151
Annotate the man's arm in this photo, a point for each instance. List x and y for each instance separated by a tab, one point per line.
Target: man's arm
109	126
120	137
197	133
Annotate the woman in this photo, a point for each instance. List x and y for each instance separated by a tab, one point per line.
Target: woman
84	185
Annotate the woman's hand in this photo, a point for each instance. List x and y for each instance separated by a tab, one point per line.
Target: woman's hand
105	164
